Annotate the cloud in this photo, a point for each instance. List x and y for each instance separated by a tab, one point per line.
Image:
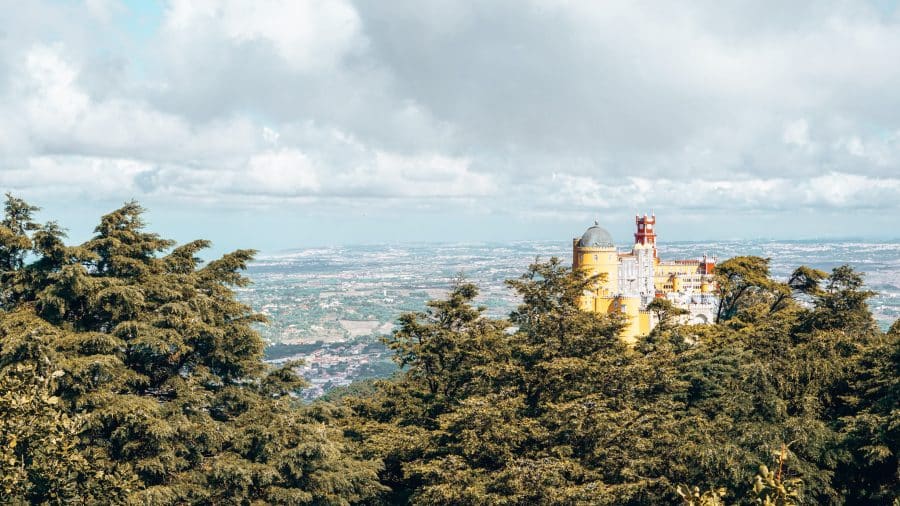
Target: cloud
77	177
57	116
833	190
278	172
308	35
273	175
418	176
796	133
511	107
104	10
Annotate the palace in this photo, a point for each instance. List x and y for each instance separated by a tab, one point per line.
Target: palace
629	281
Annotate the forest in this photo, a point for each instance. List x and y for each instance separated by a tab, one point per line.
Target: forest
130	374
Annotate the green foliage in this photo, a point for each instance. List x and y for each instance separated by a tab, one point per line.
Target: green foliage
772	490
133	375
871	424
40	461
842	304
129	373
740	280
550	407
692	496
666	313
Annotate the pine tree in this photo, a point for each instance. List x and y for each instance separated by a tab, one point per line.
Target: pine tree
871	424
158	384
556	410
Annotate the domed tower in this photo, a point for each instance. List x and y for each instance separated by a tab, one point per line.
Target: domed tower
595	253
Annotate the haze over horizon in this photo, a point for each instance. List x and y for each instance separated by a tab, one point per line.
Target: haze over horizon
283	124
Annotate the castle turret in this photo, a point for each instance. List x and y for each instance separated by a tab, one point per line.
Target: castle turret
645	252
628	282
645	236
595	253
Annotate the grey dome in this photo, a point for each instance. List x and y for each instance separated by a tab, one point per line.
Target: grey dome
596	237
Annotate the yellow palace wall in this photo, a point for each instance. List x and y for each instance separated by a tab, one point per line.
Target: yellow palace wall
605	263
663	273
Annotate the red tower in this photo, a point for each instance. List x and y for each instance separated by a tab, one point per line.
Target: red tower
645	234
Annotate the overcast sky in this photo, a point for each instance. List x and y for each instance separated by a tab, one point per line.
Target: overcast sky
280	124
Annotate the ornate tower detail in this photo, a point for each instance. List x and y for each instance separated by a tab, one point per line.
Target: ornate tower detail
645	234
645	251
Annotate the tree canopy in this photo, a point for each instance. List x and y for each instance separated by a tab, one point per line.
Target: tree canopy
791	398
130	374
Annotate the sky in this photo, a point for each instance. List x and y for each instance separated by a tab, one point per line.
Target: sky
276	124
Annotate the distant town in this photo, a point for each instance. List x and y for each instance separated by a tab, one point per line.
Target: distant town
330	306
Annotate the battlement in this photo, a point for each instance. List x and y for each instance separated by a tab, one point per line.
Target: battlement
645	235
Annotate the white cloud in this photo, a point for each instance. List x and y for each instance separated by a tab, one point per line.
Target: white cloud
47	85
796	133
76	177
287	171
852	190
833	191
270	136
512	107
308	34
104	10
429	175
58	115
